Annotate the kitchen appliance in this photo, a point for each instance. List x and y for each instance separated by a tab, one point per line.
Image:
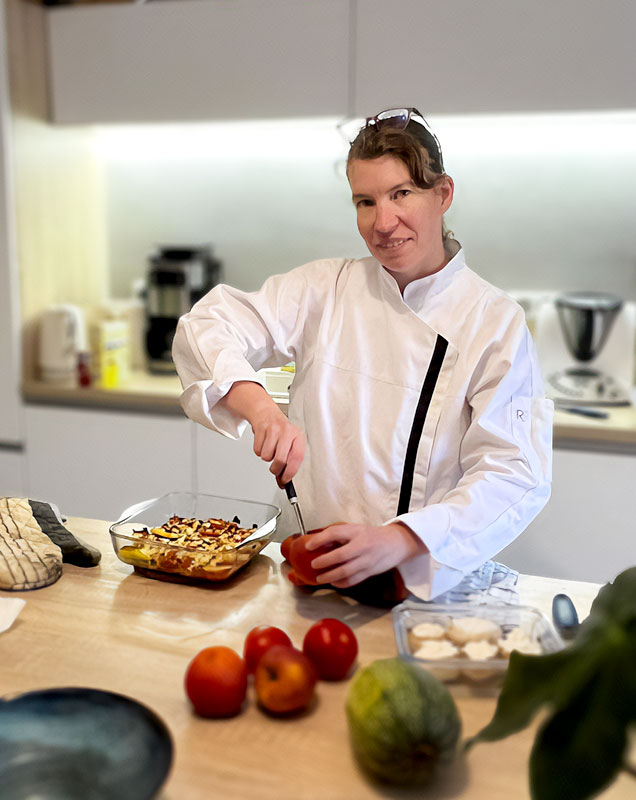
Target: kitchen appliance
62	337
585	342
178	276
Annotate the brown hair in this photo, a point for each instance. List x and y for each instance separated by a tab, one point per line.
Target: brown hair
401	144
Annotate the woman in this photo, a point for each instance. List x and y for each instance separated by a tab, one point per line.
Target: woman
417	415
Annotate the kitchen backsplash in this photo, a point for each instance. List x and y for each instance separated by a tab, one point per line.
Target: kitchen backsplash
542	203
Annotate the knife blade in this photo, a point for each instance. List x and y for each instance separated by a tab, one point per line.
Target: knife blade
293	499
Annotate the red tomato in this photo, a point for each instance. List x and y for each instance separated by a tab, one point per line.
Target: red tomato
259	640
286	545
216	682
332	647
300	558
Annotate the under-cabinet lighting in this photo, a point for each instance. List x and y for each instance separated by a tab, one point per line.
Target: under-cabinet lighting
577	133
252	139
315	139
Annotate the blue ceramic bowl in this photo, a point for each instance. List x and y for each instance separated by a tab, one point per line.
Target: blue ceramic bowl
81	744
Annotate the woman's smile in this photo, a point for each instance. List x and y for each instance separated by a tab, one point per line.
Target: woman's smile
400	222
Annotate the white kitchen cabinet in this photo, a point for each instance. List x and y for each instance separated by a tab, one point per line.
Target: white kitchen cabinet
194	60
587	531
230	468
459	56
12	463
95	463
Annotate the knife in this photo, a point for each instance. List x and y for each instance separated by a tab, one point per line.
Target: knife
293	499
583	411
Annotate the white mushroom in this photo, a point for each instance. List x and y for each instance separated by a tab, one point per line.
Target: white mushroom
438	650
428	630
473	629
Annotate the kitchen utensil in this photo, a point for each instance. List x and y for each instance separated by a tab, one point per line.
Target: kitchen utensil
564	615
164	560
585	342
62	337
81	744
293	499
177	278
584	412
539	633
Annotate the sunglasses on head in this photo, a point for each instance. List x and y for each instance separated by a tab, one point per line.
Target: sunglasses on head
399	119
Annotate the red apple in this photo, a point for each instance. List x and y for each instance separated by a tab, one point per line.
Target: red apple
284	680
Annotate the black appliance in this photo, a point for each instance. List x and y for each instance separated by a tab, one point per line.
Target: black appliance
177	278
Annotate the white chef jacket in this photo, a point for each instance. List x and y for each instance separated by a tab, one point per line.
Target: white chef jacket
427	408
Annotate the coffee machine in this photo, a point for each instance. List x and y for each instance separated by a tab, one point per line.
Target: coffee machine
178	276
585	342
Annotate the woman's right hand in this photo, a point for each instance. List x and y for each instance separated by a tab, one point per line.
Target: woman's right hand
276	439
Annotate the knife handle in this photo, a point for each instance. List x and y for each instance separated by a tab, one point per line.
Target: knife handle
564	615
291	492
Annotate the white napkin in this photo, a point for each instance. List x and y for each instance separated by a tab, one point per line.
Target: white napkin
10	607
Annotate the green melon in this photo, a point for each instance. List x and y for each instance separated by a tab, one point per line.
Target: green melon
402	721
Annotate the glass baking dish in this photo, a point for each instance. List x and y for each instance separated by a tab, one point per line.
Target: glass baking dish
503	627
157	559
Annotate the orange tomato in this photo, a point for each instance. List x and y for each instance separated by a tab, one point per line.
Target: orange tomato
216	682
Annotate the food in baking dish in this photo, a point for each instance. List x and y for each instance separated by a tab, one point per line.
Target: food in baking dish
190	547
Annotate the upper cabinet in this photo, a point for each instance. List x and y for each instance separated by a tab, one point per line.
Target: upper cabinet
462	56
239	59
198	60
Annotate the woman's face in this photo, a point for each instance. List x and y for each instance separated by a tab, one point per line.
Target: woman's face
400	223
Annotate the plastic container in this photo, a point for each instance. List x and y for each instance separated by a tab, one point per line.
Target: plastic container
159	559
535	629
113	355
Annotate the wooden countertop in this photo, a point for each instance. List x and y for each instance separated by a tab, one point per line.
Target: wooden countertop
142	392
617	432
109	628
153	394
160	394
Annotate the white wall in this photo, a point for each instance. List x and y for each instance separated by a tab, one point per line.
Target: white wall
542	202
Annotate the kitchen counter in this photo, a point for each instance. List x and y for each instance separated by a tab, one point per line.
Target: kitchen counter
160	394
112	629
152	394
616	433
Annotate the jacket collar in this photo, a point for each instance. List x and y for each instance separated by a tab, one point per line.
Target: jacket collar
422	290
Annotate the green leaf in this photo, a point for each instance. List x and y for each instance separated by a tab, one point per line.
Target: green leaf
580	749
530	682
590	690
615	604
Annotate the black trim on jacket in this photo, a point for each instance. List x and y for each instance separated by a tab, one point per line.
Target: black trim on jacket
428	387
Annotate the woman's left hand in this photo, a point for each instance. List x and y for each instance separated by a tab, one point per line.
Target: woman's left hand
362	551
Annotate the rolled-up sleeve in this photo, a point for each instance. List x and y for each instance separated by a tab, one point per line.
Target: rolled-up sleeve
231	334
